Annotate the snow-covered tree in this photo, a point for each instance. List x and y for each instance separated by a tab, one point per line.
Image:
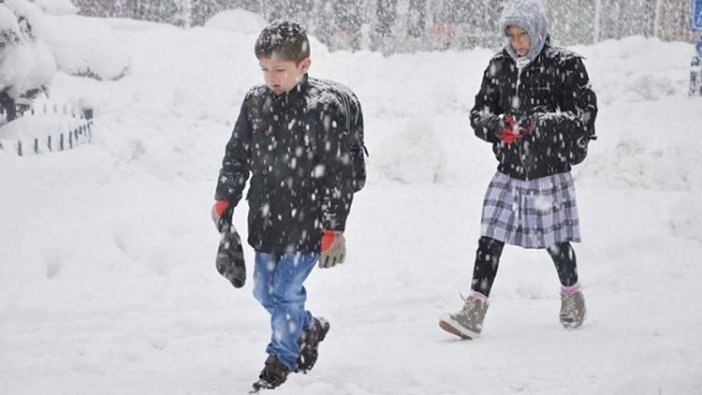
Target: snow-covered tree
406	25
27	67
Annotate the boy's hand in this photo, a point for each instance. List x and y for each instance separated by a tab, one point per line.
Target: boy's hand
218	213
333	248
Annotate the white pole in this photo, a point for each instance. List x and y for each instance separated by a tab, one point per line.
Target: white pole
657	18
596	29
189	13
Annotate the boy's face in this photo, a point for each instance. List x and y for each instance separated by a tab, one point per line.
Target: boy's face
282	75
518	39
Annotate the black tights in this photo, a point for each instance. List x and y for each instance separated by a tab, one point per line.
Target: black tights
487	260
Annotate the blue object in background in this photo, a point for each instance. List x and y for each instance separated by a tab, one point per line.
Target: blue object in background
696	15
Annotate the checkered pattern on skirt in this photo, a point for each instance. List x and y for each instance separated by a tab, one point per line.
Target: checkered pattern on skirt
533	214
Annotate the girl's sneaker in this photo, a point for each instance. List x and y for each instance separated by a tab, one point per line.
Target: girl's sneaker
572	308
468	322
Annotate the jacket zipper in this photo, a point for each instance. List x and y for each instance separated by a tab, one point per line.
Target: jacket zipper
519	147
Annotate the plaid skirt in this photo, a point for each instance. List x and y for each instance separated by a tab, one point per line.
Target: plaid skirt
533	214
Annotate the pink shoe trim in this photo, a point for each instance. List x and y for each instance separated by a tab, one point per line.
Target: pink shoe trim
478	295
571	289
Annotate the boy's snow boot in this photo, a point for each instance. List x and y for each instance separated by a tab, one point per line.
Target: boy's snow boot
572	308
309	344
467	323
273	375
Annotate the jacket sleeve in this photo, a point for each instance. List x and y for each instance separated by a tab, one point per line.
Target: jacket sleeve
578	107
484	116
579	98
236	163
337	178
358	148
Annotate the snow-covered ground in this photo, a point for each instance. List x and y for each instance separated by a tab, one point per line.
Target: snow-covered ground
107	277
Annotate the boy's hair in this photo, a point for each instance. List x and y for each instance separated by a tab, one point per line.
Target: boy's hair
283	40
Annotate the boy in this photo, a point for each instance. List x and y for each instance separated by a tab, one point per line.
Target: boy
300	138
536	107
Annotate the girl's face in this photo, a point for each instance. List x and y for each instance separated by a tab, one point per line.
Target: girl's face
518	39
282	75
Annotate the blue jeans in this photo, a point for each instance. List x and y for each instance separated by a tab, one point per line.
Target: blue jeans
278	286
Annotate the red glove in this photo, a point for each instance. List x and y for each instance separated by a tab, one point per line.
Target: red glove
513	131
220	206
333	249
509	133
218	210
328	237
527	126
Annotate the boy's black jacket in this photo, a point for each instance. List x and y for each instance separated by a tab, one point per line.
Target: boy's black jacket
555	90
295	147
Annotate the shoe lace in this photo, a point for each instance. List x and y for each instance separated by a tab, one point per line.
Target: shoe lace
468	304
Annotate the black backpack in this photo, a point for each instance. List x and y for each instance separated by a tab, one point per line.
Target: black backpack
578	149
357	147
354	124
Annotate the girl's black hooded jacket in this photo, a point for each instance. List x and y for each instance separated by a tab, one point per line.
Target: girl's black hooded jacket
554	90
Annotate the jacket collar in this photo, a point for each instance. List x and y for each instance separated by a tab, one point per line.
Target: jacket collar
546	45
294	94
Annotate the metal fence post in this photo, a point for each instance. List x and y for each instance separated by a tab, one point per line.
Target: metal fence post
696	71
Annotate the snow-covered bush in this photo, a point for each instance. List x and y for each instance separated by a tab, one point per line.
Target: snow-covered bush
99	54
27	67
56	7
414	156
237	20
